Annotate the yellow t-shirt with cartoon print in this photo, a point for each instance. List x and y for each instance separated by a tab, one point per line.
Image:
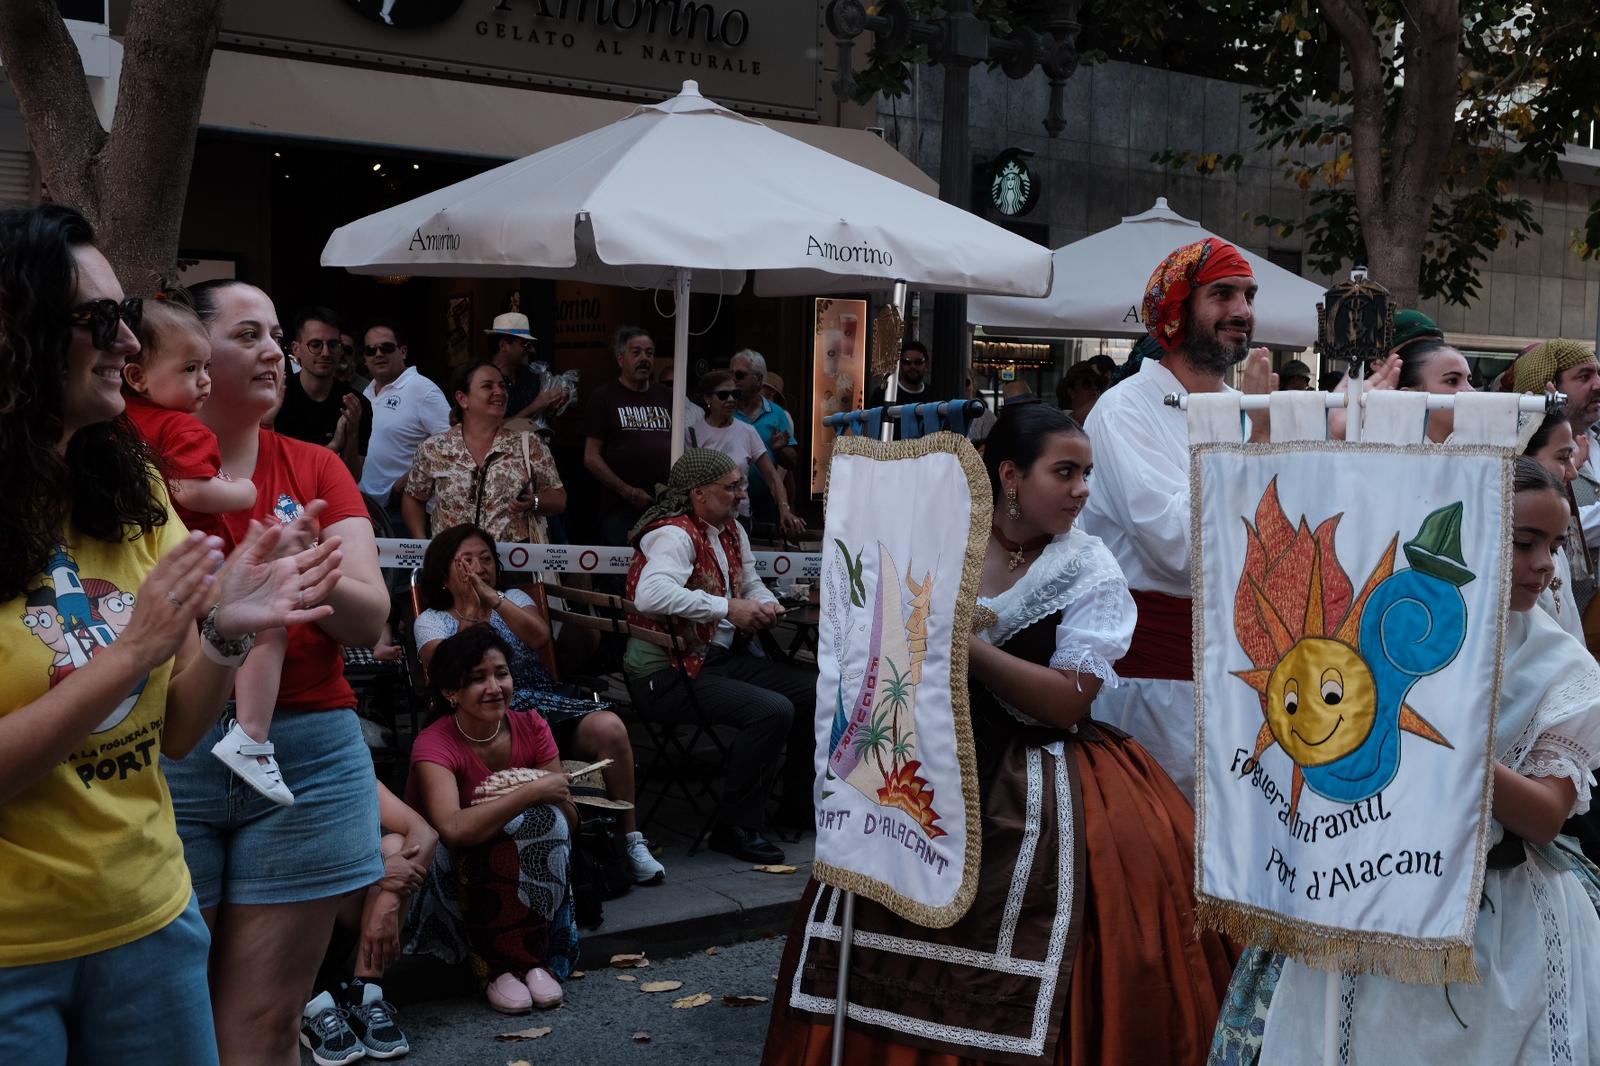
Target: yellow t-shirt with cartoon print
89	855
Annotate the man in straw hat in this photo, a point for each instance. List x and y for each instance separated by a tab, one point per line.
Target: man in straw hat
1569	367
1199	308
693	563
527	396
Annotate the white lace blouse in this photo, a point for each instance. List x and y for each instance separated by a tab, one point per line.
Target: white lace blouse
1076	575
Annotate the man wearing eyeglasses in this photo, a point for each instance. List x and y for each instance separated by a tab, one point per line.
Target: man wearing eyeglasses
527	395
315	402
913	376
407	409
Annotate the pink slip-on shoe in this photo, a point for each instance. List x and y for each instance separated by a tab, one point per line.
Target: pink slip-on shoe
545	989
508	995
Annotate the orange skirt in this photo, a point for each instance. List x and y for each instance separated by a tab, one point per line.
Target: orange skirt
1144	988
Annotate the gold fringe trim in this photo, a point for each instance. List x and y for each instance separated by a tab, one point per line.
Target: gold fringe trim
1413	962
981	513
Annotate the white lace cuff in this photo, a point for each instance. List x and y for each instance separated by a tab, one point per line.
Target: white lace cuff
1550	761
1082	659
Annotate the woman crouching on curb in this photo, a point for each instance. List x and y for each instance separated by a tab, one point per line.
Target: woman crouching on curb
511	856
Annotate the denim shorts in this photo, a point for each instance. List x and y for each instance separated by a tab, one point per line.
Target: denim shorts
243	848
142	1004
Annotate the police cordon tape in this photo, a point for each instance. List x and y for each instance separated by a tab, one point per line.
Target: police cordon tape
591	559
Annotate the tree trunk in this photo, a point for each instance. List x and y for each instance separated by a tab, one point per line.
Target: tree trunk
130	183
1395	193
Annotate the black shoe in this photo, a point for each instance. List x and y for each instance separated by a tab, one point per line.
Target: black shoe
746	844
372	1019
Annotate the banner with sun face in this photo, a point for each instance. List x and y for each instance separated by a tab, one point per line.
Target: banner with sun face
897	796
1350	605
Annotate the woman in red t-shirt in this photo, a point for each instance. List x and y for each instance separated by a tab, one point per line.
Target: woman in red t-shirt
514	851
270	879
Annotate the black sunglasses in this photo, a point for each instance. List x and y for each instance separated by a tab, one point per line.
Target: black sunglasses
100	318
726	394
740	375
386	347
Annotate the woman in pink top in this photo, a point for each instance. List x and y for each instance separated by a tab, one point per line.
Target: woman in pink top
513	853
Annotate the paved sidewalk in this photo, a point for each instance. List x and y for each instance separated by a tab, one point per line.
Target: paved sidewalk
596	1025
707	899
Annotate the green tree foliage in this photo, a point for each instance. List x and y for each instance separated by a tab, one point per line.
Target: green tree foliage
1407	126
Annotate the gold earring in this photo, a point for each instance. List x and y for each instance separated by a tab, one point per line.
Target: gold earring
1013	510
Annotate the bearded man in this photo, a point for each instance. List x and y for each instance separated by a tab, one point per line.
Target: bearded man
1199	307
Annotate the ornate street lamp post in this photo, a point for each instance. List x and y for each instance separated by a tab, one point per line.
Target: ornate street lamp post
958	40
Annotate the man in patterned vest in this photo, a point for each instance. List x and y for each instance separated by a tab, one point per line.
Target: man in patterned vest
693	572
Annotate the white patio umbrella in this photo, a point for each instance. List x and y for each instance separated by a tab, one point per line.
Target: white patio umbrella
1100	283
688	194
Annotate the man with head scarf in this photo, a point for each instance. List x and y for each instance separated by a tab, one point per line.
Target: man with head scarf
1199	308
692	563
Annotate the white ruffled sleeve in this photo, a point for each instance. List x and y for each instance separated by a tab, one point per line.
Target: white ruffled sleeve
1560	754
1095	630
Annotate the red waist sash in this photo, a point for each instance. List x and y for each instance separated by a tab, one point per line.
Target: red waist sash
1163	646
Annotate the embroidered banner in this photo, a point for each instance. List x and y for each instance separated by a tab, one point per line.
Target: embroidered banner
897	806
1348	651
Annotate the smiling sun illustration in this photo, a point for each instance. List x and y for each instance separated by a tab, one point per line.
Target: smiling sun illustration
1332	667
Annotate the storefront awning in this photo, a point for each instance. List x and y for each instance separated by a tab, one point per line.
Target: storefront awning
272	95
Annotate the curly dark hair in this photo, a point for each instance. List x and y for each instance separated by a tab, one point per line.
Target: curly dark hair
458	656
433	581
103	482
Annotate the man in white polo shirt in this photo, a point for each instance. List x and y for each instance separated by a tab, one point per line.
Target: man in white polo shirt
407	408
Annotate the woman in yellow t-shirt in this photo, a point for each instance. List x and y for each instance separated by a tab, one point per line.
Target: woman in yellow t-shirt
105	669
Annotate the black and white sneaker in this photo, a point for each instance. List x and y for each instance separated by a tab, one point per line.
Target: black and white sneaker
325	1031
372	1020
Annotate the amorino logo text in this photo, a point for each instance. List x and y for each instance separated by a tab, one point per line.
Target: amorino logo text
849	253
434	242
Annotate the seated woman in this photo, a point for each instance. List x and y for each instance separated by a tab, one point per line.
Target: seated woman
514	852
459	585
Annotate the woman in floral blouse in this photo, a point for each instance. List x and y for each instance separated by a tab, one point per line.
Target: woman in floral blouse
481	473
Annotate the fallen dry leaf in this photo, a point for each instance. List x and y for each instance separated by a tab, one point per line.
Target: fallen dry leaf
712	950
661	986
743	1001
641	1037
518	1062
626	977
773	868
523	1034
699	999
576	975
624	961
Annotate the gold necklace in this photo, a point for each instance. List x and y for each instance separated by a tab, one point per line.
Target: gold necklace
456	718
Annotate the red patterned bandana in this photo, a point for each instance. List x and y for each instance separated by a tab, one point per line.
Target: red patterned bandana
1181	273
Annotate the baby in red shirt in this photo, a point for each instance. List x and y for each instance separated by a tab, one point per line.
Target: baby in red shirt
164	385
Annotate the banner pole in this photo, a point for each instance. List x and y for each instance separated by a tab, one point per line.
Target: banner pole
846	939
891	387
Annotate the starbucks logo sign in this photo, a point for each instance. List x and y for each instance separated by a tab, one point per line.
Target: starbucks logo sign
407	14
1014	186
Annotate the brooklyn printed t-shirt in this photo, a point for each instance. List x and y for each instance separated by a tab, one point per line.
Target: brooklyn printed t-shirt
532	744
89	855
635	434
290	474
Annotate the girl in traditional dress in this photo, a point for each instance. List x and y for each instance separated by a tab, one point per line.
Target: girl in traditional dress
1537	938
1080	946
